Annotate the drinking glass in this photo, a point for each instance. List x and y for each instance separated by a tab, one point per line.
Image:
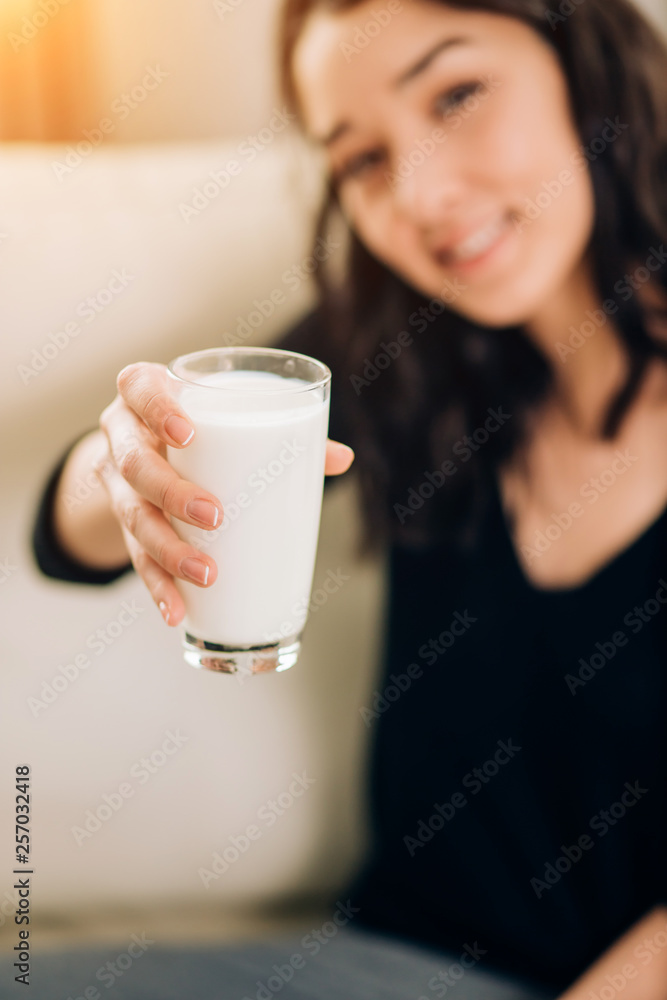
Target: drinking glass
261	419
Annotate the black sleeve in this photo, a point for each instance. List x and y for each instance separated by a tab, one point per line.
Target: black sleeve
305	338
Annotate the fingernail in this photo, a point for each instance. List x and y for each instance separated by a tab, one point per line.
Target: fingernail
203	511
164	611
343	450
195	570
178	429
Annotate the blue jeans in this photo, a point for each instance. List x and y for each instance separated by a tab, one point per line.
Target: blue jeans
355	964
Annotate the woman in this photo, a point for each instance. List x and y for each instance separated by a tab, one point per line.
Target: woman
497	340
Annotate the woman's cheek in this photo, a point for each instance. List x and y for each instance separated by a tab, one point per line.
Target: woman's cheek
375	223
533	137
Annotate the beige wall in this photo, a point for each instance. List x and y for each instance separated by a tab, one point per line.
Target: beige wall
222	65
658	11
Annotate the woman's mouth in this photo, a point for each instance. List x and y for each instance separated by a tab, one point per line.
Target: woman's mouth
478	248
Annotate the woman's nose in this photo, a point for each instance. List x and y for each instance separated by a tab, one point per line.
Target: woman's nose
427	182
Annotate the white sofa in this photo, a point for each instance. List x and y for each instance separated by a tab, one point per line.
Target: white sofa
237	746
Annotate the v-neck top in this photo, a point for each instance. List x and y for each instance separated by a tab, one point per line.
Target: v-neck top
653	529
519	762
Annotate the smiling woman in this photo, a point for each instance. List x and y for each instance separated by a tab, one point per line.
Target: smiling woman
499	172
456	223
501	168
510	161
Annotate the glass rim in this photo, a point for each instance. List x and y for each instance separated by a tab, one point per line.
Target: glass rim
324	380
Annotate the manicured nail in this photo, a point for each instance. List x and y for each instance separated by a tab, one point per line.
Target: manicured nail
178	429
195	570
164	611
203	511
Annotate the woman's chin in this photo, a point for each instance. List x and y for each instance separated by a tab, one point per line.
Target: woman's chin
495	318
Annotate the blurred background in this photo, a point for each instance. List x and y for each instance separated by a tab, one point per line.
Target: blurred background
124	237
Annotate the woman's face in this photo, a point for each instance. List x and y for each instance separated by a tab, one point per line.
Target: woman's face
451	139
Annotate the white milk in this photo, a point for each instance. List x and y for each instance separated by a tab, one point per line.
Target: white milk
261	451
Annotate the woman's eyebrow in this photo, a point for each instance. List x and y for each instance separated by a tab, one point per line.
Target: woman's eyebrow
425	61
406	76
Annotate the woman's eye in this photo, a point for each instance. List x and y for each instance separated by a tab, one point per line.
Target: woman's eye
452	99
359	165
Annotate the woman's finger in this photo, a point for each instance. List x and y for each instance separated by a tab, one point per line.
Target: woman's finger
149	474
159	583
151	529
144	388
339	458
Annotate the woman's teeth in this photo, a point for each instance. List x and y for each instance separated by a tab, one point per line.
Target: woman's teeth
479	242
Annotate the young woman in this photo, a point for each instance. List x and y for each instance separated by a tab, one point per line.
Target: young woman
498	343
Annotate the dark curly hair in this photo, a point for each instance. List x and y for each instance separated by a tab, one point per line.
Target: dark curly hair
413	419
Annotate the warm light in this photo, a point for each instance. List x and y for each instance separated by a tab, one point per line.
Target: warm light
17	7
45	73
12	13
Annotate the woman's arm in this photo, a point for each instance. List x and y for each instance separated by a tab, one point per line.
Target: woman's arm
84	525
637	961
116	493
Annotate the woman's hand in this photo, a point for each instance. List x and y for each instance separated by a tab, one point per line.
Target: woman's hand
144	491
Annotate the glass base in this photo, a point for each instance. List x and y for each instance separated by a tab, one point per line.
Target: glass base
241	660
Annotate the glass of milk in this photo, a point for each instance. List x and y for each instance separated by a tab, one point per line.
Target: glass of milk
261	418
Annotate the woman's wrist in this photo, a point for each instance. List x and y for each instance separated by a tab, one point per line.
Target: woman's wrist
84	525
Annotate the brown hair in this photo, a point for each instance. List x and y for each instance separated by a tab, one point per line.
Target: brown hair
410	420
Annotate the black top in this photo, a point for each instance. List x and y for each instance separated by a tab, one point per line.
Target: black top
519	754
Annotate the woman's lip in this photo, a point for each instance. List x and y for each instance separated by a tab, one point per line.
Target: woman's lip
468	266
